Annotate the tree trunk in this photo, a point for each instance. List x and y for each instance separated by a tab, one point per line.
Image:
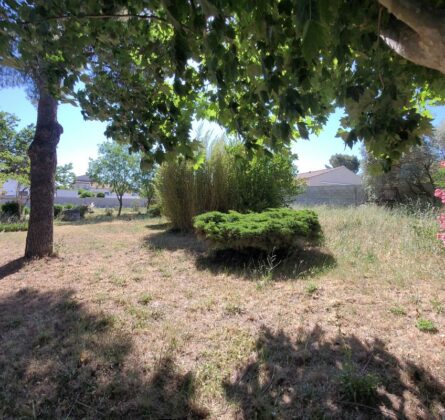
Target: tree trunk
43	157
119	198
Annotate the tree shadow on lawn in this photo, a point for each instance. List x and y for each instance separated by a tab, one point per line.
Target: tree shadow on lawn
12	267
57	360
341	377
102	218
251	265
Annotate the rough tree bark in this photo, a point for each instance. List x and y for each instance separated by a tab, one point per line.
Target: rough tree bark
416	32
43	157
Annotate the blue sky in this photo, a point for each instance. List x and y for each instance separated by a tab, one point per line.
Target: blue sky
80	138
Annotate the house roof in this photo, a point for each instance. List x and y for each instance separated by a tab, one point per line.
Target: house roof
310	174
84	178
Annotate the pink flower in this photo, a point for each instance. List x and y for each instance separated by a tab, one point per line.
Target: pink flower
442	164
441	237
439	193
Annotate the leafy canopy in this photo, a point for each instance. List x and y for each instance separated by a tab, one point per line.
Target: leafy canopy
270	71
14	143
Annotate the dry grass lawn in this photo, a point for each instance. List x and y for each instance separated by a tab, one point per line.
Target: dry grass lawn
133	320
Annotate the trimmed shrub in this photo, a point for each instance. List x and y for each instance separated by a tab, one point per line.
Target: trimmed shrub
100	195
278	229
68	206
13	227
58	208
11	208
85	194
154	210
82	210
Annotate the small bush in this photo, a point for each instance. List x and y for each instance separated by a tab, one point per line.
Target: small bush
85	194
68	206
154	210
11	208
273	229
82	210
426	325
109	212
13	227
358	387
311	288
58	208
100	195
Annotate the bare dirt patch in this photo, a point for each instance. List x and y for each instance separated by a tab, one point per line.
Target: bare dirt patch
132	319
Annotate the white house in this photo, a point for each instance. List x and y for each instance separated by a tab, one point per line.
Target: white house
335	176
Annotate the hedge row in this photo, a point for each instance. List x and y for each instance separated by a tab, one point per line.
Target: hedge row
273	229
13	227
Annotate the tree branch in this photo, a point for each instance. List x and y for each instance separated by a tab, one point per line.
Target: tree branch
415	33
414	13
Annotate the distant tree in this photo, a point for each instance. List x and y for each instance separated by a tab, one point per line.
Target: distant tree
350	161
145	181
414	176
117	168
14	160
65	176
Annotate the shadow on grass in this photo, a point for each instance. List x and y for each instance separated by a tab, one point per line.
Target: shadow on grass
251	265
12	267
102	218
57	360
277	266
340	377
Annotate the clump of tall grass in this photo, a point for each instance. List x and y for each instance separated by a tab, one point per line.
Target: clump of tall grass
226	178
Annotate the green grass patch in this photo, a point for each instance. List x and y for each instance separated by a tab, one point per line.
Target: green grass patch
398	310
426	325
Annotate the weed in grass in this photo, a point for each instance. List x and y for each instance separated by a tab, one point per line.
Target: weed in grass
357	386
118	281
370	257
232	309
426	325
226	350
205	305
437	305
100	297
311	288
137	279
59	246
166	274
398	310
142	317
145	298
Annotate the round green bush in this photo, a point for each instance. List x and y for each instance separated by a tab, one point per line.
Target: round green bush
58	208
154	210
11	208
100	195
272	229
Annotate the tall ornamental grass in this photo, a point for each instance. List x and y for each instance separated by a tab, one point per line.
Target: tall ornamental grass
227	178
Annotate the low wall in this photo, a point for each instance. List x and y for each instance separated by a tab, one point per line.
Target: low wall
101	202
98	202
334	195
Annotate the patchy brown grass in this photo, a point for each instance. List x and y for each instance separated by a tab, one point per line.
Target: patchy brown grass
131	319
